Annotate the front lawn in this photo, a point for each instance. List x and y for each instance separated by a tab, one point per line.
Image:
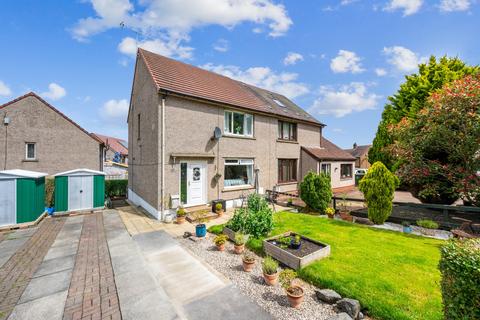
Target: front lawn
393	275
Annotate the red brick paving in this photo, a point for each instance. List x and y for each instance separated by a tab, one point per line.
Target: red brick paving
16	273
92	293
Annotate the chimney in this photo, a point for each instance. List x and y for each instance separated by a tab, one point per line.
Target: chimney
354	145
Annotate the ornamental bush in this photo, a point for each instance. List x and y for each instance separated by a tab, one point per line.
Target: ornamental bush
316	191
460	284
116	188
378	187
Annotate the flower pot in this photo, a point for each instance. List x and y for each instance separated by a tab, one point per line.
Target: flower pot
295	296
330	216
221	247
220	213
271	279
345	216
407	229
248	265
50	210
180	219
294	245
239	249
201	230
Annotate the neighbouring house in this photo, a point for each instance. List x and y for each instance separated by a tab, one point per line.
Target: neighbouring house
360	153
35	136
115	150
196	136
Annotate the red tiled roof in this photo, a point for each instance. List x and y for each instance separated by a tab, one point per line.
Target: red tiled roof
329	151
359	150
181	78
34	95
116	144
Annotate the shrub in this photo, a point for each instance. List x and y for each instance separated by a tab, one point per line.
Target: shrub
378	187
237	222
116	188
286	277
460	284
218	207
220	239
428	224
240	239
316	191
256	219
49	192
269	265
256	202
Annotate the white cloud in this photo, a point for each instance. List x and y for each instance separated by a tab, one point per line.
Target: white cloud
380	72
115	109
170	21
409	7
353	97
221	45
285	82
403	59
346	61
292	58
4	89
55	92
169	48
454	5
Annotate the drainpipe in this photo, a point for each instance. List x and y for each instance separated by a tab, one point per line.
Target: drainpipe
162	181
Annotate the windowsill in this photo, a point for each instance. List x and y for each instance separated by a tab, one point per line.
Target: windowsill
346	178
226	135
287	183
287	141
237	188
30	160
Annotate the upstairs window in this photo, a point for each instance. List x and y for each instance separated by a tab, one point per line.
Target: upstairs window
287	131
287	170
239	124
238	172
30	152
346	171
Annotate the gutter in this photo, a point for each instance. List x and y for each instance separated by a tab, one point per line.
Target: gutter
162	152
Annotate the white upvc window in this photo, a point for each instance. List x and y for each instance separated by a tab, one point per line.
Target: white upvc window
326	168
30	151
238	172
238	124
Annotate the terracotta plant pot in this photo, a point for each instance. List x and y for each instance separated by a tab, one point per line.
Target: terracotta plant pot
180	219
295	298
239	249
271	279
221	247
330	216
220	213
248	266
346	216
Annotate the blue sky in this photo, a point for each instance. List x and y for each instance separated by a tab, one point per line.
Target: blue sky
338	59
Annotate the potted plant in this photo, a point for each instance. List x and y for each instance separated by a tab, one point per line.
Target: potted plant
240	240
181	213
220	241
248	260
270	270
200	219
294	292
330	212
407	228
219	209
296	242
49	196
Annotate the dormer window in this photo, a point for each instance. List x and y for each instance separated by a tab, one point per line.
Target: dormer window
287	131
238	124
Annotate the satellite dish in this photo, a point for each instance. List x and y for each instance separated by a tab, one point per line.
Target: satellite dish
217	133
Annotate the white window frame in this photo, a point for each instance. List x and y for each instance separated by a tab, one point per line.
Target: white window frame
329	167
232	132
34	151
237	162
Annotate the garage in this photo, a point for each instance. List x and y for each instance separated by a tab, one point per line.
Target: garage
22	196
79	190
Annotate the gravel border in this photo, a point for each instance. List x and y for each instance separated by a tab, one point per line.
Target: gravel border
272	299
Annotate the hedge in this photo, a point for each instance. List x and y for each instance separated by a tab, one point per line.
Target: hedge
460	268
116	188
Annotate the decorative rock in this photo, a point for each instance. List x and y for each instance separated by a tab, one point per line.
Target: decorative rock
360	315
341	316
365	221
350	306
328	296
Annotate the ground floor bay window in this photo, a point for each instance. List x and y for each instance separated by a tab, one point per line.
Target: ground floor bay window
238	172
287	170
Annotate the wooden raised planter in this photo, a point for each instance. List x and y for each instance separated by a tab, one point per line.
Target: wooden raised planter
288	257
231	234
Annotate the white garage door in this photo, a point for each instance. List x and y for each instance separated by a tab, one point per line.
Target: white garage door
80	192
8	202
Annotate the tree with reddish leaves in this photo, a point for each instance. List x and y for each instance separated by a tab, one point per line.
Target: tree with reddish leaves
440	148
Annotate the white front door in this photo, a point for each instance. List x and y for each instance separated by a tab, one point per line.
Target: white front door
80	192
196	183
8	201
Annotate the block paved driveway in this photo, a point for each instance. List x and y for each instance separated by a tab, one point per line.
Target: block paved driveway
89	267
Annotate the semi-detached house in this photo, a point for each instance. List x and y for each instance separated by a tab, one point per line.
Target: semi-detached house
198	136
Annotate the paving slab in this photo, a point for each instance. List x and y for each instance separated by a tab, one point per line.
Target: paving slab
55	265
47	308
46	285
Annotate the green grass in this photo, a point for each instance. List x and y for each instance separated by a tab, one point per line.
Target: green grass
393	275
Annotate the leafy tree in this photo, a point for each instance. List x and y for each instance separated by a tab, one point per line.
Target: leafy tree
411	98
440	148
378	187
316	191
